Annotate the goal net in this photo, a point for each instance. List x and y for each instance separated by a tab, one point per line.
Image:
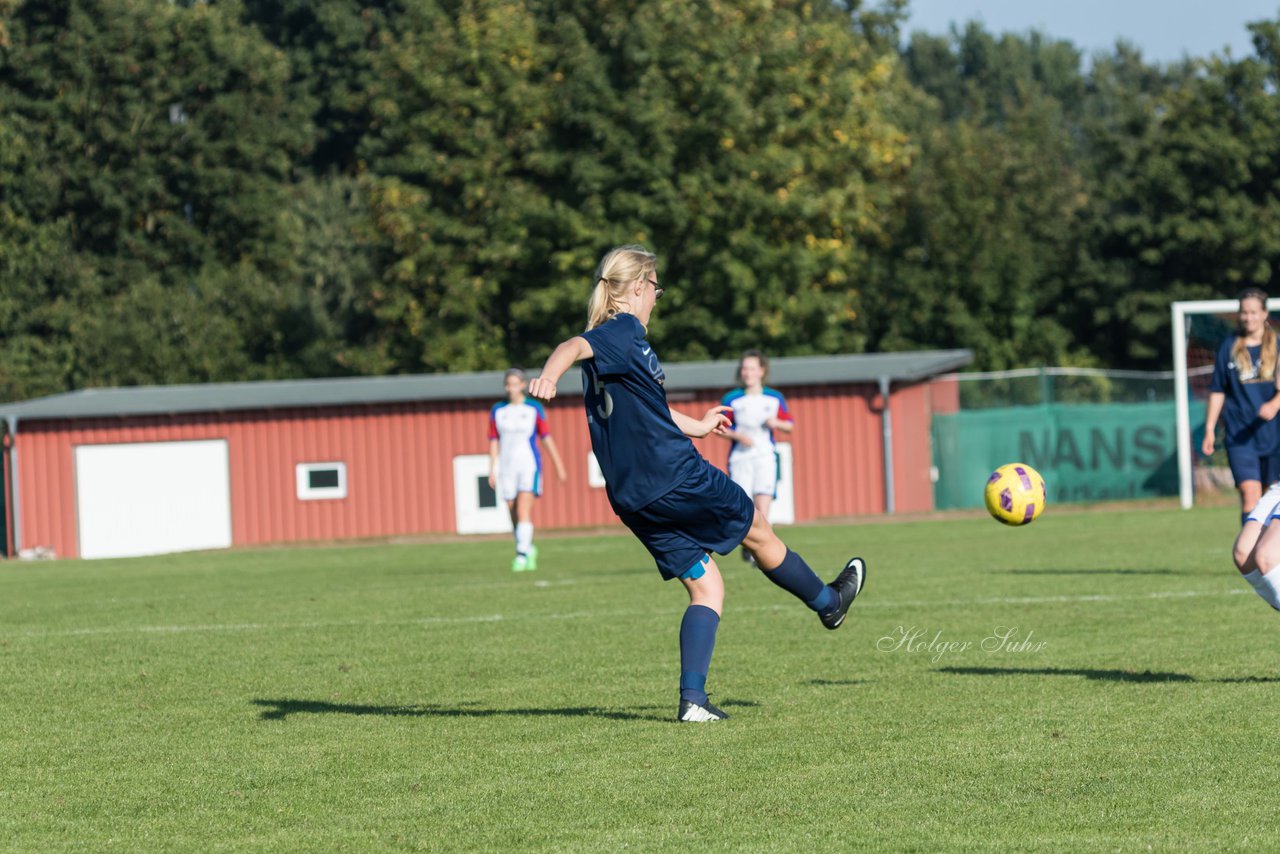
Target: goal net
1198	328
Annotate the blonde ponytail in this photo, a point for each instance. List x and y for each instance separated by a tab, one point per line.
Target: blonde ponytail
618	269
1267	366
603	304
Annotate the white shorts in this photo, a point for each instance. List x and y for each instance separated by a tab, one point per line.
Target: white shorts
1267	508
516	479
757	474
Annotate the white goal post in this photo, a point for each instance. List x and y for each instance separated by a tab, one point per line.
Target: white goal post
1181	381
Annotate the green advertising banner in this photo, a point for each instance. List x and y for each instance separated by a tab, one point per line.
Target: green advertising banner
1086	452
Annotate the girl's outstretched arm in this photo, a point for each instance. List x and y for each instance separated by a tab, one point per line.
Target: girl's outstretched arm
715	421
561	359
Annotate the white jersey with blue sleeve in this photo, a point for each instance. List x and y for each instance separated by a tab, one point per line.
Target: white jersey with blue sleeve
750	416
754	466
517	427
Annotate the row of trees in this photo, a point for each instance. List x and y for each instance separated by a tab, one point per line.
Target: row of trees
251	189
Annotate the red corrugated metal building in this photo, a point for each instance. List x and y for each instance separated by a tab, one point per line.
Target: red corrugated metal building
103	473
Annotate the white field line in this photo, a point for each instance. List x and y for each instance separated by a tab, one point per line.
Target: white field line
580	615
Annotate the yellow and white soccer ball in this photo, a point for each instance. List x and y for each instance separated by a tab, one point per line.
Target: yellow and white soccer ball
1016	494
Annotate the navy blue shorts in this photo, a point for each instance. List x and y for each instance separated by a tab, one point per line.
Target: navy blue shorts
706	513
1248	464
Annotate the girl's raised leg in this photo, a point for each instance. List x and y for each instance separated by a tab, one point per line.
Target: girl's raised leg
788	570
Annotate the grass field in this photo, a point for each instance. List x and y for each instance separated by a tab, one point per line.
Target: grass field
424	697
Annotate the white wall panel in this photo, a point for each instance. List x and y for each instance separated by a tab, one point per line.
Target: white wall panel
152	498
477	509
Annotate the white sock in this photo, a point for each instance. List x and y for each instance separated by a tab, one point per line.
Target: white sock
524	537
1265	586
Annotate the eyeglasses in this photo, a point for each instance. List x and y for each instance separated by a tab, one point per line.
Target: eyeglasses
657	291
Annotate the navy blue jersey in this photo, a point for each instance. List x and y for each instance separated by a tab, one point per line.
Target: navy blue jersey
642	453
1245	392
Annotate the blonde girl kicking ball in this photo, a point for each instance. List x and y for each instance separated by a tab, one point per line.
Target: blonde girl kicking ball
680	506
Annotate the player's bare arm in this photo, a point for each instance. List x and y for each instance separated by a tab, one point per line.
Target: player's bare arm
554	453
715	421
780	425
561	359
1269	409
493	463
1212	412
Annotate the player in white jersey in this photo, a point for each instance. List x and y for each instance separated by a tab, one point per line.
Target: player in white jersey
1257	548
757	412
515	467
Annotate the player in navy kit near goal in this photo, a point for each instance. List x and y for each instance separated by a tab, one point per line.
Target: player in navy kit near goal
680	506
1244	391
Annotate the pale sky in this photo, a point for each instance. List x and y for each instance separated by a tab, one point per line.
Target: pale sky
1165	30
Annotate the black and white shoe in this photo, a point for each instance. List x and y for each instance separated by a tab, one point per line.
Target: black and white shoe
848	585
693	713
747	557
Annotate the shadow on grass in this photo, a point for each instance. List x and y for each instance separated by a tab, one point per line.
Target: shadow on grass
278	710
1087	673
1096	572
1105	675
839	681
1247	680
